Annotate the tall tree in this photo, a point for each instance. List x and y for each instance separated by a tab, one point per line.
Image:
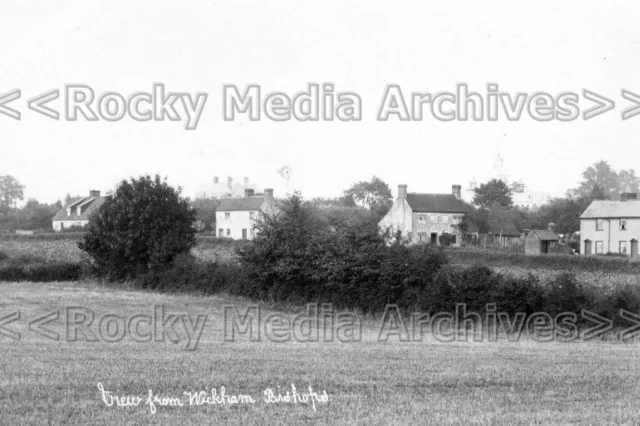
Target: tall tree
11	191
494	192
374	195
599	181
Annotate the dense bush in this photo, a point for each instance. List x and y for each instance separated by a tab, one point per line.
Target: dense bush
143	226
33	268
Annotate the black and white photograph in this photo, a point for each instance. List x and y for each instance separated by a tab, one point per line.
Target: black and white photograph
338	212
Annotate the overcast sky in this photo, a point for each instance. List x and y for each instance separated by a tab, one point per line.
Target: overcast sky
360	46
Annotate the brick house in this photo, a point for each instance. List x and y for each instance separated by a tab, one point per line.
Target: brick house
423	218
611	226
236	217
77	211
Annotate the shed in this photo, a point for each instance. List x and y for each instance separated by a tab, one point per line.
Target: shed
540	241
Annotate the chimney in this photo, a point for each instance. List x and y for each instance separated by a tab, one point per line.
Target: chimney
402	191
229	182
457	191
216	179
268	195
94	193
552	227
248	192
246	182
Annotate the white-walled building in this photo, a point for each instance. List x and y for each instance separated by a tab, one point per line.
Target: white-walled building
236	217
425	217
77	211
611	226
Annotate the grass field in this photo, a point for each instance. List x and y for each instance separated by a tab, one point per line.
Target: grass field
43	381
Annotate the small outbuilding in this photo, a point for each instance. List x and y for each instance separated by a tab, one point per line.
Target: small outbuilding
541	241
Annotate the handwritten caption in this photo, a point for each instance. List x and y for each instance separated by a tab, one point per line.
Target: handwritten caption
215	396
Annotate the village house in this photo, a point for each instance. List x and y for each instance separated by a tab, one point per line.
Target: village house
611	226
77	211
423	218
236	217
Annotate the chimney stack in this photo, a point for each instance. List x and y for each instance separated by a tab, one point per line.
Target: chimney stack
94	193
248	192
402	191
246	182
268	195
216	179
552	227
457	191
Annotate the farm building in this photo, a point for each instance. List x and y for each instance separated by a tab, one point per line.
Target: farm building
611	226
425	217
503	233
236	217
541	241
77	211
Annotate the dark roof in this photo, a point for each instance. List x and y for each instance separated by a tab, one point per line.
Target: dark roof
240	204
544	234
436	203
90	205
507	229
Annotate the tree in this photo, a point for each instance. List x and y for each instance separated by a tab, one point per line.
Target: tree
599	181
11	191
491	193
141	227
374	195
206	212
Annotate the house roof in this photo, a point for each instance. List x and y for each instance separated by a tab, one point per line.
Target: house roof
92	204
436	203
240	204
544	234
599	209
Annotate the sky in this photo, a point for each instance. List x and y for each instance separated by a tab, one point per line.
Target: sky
359	46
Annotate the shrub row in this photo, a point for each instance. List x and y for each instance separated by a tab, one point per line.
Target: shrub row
41	272
43	237
547	261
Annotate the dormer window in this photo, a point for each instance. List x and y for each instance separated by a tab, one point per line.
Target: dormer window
599	224
623	224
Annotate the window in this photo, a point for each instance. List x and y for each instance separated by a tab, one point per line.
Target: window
220	232
599	247
252	215
252	232
623	247
227	215
422	218
623	225
422	237
599	225
457	219
244	233
228	232
445	219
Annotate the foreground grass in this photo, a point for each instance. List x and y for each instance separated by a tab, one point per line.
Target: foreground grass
54	382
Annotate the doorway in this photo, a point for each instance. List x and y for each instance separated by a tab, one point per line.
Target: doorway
634	248
434	238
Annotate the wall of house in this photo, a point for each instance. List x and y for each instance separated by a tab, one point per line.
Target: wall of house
611	235
424	224
238	220
398	218
58	225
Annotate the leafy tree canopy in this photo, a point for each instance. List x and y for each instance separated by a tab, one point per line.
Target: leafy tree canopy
494	192
143	226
